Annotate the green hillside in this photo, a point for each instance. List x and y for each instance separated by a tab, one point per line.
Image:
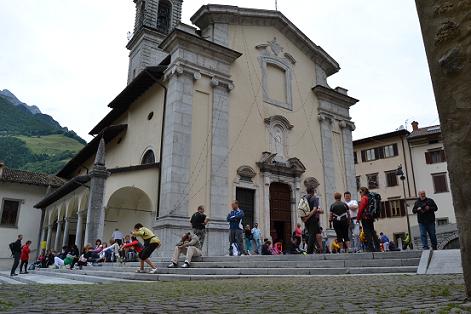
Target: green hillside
50	144
34	141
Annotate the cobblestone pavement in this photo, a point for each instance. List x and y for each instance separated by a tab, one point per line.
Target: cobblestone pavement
339	294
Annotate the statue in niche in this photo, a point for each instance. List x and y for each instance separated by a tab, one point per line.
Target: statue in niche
278	143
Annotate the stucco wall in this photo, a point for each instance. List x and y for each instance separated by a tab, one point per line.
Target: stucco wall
28	219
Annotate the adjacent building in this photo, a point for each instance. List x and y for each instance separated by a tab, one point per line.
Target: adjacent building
237	107
431	175
377	160
19	191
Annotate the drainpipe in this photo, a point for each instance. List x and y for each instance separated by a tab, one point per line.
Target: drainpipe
405	163
161	138
43	214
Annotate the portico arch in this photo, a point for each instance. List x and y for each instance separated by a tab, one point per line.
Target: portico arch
126	207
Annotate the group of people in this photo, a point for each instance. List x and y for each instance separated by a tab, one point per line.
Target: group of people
352	221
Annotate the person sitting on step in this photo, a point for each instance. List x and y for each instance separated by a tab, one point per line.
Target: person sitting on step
189	245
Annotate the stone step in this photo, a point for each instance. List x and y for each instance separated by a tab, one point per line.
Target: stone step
300	257
132	275
79	278
287	264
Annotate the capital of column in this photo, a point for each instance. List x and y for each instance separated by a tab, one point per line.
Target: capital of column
347	125
322	117
222	83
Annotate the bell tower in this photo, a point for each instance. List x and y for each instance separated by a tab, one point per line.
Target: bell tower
154	20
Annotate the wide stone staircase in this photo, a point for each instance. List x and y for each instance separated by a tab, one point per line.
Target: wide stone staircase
228	267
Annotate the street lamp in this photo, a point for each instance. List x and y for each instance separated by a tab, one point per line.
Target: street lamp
400	173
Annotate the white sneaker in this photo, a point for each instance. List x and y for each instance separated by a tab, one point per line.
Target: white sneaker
186	265
172	265
140	270
154	271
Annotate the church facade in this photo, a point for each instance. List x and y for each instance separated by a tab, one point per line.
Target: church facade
237	107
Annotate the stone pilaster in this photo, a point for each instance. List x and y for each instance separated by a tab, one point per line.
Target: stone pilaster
173	217
96	212
219	182
327	159
58	235
65	237
347	128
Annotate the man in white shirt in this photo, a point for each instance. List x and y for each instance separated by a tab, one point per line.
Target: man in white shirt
117	236
354	227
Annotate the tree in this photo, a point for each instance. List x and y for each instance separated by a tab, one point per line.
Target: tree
446	29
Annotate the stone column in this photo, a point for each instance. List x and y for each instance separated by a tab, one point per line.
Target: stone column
65	238
58	235
327	160
49	236
173	217
347	128
445	29
96	212
79	232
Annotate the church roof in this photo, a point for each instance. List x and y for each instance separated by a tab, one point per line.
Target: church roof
108	133
65	189
227	14
28	177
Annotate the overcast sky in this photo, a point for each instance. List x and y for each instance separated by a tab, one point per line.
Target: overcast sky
68	57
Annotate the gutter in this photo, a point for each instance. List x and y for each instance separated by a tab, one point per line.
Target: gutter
164	109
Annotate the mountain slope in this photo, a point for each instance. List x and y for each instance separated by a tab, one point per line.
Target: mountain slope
33	141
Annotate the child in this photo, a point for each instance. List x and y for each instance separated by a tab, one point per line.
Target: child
24	257
335	246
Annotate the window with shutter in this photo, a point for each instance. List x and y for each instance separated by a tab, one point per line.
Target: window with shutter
355	159
9	215
440	184
391	178
372	181
428	158
396	151
363	155
388	209
403	208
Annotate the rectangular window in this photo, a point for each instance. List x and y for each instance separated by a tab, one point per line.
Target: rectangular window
390	151
372	181
391	178
10	211
371	154
246	198
435	156
355	158
358	181
440	182
395	206
442	221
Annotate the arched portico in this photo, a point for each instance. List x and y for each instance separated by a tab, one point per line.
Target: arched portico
126	207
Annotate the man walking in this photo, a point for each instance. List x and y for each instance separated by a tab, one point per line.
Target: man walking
235	227
257	237
354	227
311	222
198	221
425	209
15	248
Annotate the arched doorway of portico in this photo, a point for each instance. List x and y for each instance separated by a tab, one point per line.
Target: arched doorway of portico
126	207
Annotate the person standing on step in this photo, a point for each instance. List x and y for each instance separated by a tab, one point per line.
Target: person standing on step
189	245
151	242
24	257
15	248
340	218
312	222
198	221
425	209
354	227
367	221
248	238
117	236
235	227
257	237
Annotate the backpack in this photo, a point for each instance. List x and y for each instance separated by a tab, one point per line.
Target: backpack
374	205
12	248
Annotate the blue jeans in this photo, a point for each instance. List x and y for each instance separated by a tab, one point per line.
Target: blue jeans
430	229
258	243
248	245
